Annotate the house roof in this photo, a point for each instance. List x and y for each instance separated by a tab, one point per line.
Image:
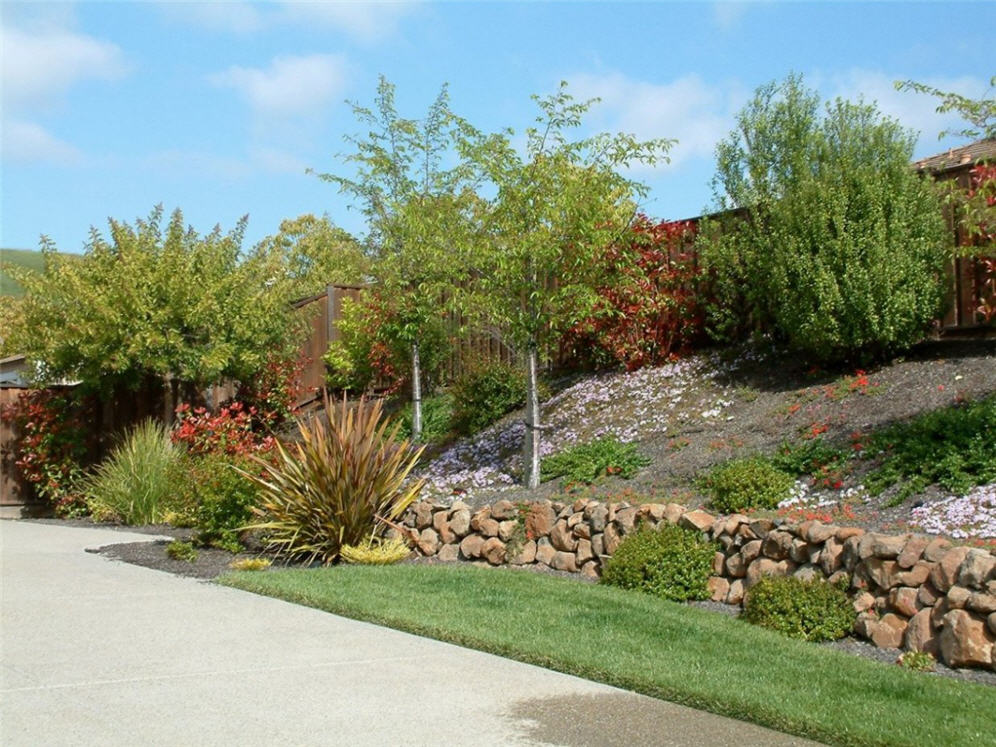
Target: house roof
955	157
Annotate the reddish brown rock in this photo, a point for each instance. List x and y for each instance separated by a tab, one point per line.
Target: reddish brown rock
574	520
428	542
673	512
719	588
818	533
597	515
761	527
863	602
938	611
927	595
611	539
903	600
525	555
470	546
750	551
735	566
799	552
584	552
590	569
442	527
652	511
945	574
991	623
912	551
736	593
449	553
480	515
579	505
540	520
766	567
915	576
981	603
881	572
977	568
936	550
626	519
493	551
504	510
423	515
807	573
845	533
598	545
718	562
850	556
582	531
544	552
888	632
830	559
561	537
920	634
864	623
888	547
957	597
840	578
460	522
564	561
696	520
777	545
507	530
965	641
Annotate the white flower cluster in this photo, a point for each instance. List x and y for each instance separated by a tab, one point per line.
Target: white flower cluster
961	517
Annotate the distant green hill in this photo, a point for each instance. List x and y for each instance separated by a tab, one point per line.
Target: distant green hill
29	258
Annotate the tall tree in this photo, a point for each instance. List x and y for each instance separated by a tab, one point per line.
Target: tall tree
555	204
979	115
414	205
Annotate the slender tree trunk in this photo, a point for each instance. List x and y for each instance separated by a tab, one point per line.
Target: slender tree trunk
531	455
416	394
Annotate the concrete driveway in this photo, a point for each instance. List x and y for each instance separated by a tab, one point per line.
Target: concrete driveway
99	652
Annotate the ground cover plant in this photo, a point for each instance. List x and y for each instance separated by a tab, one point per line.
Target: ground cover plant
642	643
671	563
585	463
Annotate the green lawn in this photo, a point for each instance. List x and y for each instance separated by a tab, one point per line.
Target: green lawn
638	642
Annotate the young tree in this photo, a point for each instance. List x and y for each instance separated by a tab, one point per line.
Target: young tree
555	205
153	302
415	209
979	114
837	246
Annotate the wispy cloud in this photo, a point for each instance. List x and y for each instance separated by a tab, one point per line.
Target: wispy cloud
361	21
26	142
39	66
290	86
688	109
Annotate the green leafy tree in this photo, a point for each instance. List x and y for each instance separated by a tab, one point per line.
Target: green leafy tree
417	211
153	301
555	205
979	115
833	243
316	253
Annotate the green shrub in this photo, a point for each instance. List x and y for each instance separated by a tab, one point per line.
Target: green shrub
811	610
222	498
437	415
138	482
184	551
671	562
484	393
585	463
338	485
742	484
954	447
839	246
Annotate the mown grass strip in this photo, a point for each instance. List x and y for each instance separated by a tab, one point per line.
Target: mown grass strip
641	643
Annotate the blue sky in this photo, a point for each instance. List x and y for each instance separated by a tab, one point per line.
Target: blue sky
218	108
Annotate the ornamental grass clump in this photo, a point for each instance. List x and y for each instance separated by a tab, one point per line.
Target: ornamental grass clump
339	485
812	610
138	482
376	551
671	562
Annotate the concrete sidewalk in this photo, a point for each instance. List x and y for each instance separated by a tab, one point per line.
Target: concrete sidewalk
99	652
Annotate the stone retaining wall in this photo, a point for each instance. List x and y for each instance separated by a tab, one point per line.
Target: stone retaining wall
910	591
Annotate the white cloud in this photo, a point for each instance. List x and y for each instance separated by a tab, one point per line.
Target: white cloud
727	13
363	21
26	142
290	85
695	113
277	161
41	65
913	110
